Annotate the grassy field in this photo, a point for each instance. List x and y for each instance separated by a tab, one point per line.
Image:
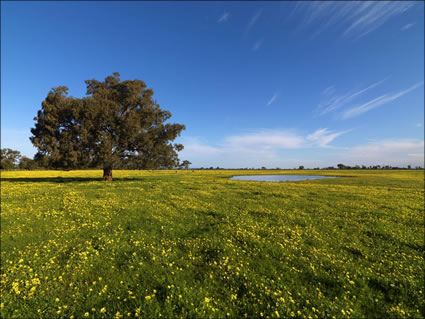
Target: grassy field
197	245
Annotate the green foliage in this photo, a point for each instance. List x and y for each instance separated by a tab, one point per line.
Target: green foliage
9	158
197	245
117	125
185	164
27	163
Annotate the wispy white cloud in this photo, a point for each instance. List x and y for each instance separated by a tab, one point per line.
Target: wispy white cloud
354	18
265	140
282	139
419	125
338	101
395	152
322	137
273	98
420	155
377	102
224	17
254	19
194	146
407	26
376	16
257	45
329	91
263	148
259	147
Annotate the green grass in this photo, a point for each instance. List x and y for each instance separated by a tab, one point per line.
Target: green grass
197	245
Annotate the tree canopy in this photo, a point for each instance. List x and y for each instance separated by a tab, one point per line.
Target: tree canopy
9	158
116	125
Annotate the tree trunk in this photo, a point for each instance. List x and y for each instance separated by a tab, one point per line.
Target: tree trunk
107	174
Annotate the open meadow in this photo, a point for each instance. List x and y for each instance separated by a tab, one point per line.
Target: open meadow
195	245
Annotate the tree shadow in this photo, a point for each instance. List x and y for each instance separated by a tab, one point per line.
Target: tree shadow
67	179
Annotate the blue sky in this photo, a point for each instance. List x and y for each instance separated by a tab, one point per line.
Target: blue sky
275	84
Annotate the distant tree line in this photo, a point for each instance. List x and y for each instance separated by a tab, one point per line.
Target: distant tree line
12	159
301	167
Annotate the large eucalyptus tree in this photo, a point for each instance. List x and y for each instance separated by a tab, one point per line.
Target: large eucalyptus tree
116	125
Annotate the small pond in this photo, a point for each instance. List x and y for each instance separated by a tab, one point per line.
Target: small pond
277	178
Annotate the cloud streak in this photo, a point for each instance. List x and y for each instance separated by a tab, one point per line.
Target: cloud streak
273	98
224	17
257	45
322	137
265	140
395	152
254	19
355	19
329	91
263	148
336	102
282	139
407	26
252	149
377	102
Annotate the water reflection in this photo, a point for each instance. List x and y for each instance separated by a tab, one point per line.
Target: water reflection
277	178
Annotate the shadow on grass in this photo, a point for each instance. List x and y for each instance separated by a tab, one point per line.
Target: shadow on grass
69	179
